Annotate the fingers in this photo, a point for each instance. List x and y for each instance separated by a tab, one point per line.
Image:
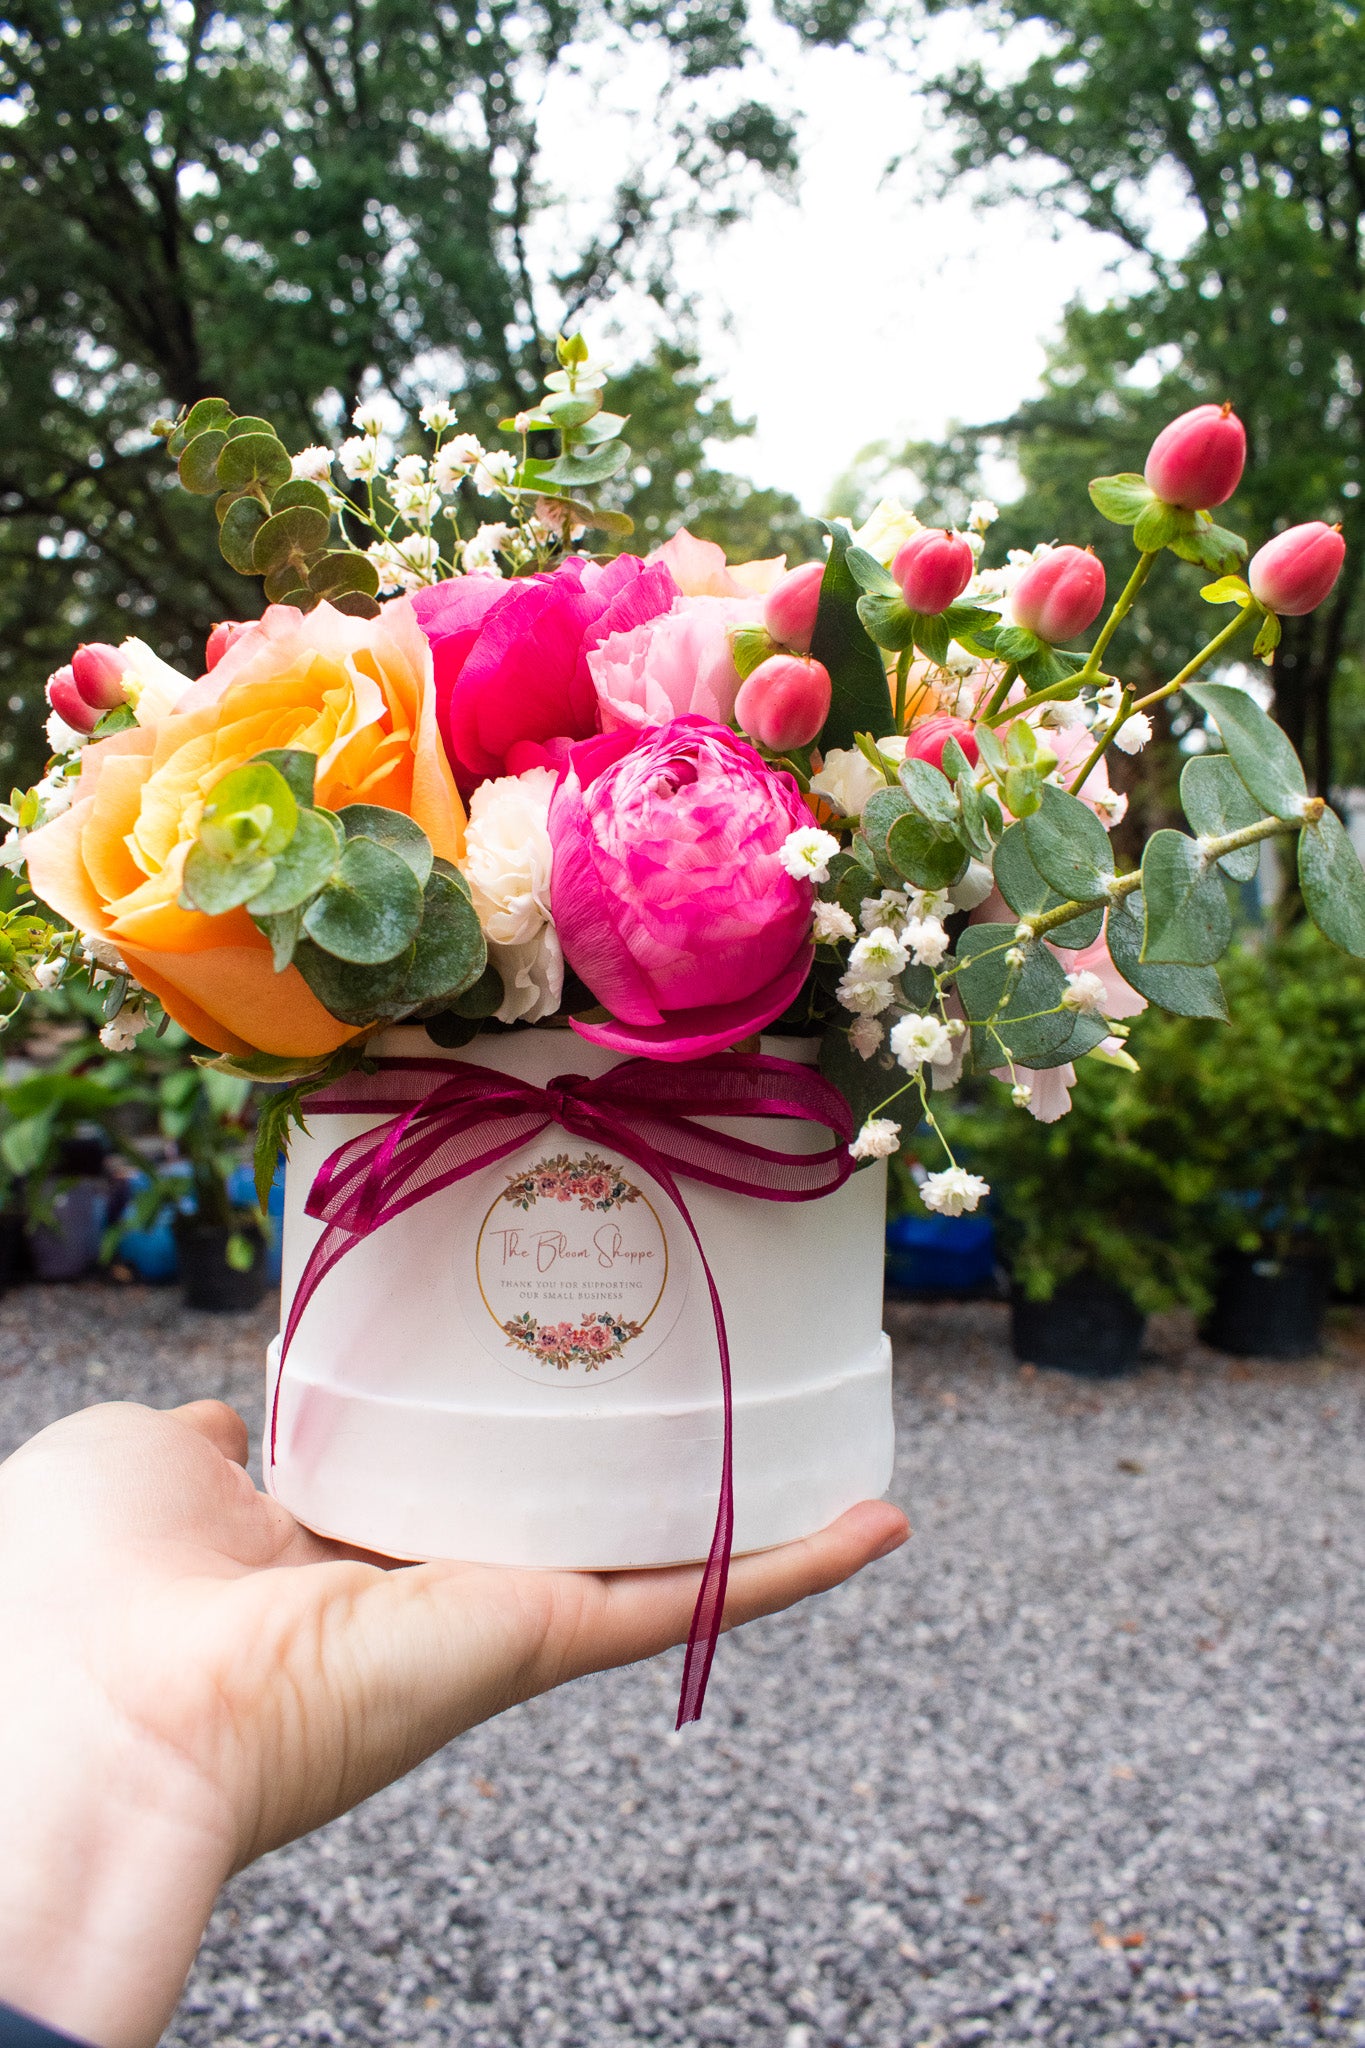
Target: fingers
223	1427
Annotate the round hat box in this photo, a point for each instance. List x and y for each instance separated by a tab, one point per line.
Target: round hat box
522	1369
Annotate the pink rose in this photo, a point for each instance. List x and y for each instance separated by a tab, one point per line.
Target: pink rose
667	891
699	568
595	1337
511	659
678	661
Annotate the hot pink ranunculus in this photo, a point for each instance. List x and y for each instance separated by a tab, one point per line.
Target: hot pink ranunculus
511	659
667	891
676	662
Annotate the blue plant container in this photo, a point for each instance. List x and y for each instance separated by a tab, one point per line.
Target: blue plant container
152	1253
940	1254
242	1192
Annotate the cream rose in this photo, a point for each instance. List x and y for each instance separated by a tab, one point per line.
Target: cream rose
507	862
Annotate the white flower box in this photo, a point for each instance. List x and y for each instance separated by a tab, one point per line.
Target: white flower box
502	1375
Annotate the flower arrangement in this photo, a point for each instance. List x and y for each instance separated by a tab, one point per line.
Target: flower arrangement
480	775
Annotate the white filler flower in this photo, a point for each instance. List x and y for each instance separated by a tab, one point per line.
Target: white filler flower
878	1139
927	939
313	464
361	457
865	1036
507	864
863	993
950	1192
880	955
889	909
917	1040
1085	992
807	853
832	923
1133	735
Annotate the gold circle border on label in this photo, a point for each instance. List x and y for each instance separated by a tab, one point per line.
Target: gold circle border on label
502	1197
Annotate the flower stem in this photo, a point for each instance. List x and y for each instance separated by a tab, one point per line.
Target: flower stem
903	661
1001	691
1101	745
1123	604
1205	654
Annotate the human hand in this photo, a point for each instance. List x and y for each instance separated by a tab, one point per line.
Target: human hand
194	1679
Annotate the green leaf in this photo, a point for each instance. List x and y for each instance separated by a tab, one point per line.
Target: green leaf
215	884
352	993
254	460
1157	525
1068	845
569	409
1260	752
863	1083
290	539
482	997
1033	1024
750	646
249	423
1086	1034
1122	499
284	586
251	810
297	766
869	575
963	619
973	808
1188	923
1227	590
306	864
861	701
206	413
880	813
1027	892
371	910
594	466
926	854
263	1066
451	1028
301	490
1184	991
1212	546
1268	638
342	572
1016	643
929	791
355	604
122	718
931	636
1217	801
888	619
992	751
241	523
198	466
1333	883
392	829
451	954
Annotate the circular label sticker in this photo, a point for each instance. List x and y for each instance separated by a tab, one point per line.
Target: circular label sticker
572	1264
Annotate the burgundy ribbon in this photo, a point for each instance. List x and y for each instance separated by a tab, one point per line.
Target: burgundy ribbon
473	1116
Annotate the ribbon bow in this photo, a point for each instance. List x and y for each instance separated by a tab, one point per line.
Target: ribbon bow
450	1120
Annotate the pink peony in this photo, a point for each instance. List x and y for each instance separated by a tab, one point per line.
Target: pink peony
676	662
513	689
667	891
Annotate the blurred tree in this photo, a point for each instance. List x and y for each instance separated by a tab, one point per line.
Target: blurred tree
290	202
1255	110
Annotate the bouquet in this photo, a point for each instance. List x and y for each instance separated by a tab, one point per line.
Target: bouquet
485	774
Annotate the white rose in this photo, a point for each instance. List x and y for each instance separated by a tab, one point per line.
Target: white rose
846	780
507	864
887	529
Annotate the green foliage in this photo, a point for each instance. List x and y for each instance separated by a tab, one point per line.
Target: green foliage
860	701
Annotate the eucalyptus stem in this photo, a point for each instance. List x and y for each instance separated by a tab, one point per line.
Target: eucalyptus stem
1123	604
1215	646
1045	921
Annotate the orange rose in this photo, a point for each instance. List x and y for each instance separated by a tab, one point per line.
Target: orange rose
355	692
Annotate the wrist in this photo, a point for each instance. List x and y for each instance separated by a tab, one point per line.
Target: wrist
106	1884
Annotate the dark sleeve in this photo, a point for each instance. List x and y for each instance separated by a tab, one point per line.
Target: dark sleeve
18	2031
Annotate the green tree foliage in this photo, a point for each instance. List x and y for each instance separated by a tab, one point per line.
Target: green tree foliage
1257	109
289	203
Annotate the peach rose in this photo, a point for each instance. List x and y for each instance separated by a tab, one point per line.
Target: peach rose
699	568
357	693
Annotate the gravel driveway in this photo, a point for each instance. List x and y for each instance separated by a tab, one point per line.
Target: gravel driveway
1081	1765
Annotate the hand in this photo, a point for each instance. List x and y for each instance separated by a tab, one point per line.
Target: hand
193	1679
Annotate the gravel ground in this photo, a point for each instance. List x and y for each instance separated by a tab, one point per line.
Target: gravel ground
1081	1765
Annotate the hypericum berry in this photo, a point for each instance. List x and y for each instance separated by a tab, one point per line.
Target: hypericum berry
1293	573
784	702
926	741
789	613
932	569
98	671
1059	595
1197	461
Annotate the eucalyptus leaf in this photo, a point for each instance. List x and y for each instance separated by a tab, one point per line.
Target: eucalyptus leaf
395	830
206	413
1086	1033
928	855
482	997
1032	1024
299	768
1184	991
451	954
355	603
1260	752
1217	801
284	933
301	490
352	993
880	813
251	810
1068	845
929	791
248	423
594	466
290	538
198	466
1028	892
1333	883
1188	923
254	460
370	911
216	885
304	867
241	523
341	572
864	1083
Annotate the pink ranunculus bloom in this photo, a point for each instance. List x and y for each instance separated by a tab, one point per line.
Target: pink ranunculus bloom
699	569
678	661
513	689
667	891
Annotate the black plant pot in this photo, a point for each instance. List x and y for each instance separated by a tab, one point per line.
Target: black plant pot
1268	1308
67	1245
13	1250
1089	1327
208	1280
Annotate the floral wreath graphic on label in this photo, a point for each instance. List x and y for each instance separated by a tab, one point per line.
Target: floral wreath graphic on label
571	1263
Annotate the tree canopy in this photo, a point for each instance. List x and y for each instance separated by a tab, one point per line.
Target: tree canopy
289	203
